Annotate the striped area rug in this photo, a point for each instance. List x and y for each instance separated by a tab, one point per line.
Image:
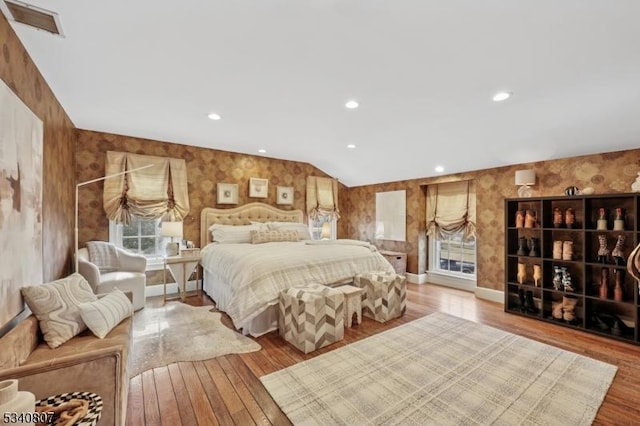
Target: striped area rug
443	370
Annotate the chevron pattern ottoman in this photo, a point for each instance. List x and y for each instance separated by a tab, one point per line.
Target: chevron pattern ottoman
311	316
384	296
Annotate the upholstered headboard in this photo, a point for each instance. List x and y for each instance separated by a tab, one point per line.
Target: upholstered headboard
244	215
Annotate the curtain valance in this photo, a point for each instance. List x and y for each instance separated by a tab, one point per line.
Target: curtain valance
159	191
451	208
322	197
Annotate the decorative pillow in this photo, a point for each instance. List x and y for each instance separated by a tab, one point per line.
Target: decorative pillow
105	313
55	304
301	228
233	234
259	237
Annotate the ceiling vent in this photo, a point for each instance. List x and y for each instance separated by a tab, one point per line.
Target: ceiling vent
32	16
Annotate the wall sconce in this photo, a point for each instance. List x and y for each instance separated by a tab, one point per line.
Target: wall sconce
525	178
172	229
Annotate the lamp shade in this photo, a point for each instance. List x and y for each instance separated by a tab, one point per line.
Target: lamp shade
525	177
171	229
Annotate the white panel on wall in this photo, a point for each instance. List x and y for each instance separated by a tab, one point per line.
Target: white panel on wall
391	215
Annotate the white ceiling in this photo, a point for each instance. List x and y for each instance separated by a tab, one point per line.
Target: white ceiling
424	72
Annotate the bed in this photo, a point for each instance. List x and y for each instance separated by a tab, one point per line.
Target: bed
245	279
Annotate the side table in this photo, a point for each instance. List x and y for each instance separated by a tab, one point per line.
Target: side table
352	304
181	267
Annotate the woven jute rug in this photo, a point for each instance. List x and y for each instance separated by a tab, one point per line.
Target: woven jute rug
443	370
179	332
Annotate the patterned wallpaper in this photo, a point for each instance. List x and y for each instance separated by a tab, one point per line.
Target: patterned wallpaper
205	168
19	72
606	173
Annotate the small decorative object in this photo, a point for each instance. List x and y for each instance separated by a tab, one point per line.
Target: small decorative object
525	178
588	191
530	217
618	222
258	188
14	401
227	193
635	186
603	251
618	293
519	219
557	278
570	191
522	273
602	219
172	229
557	250
603	291
569	217
534	249
617	253
523	249
285	195
557	217
537	274
567	250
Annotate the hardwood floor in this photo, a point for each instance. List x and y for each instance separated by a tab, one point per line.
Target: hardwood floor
227	390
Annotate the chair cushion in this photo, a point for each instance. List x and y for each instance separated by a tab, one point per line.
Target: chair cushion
56	305
104	255
104	314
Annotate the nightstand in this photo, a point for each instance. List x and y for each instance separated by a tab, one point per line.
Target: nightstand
397	259
181	267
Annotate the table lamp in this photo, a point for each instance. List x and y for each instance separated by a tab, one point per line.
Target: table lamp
172	229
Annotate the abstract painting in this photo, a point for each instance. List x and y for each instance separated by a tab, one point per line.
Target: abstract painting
21	135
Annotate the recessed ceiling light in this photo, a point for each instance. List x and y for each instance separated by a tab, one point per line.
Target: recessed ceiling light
214	116
352	104
439	169
501	96
351	146
262	151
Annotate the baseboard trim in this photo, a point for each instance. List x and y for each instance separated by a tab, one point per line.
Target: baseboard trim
490	294
453	282
416	278
172	288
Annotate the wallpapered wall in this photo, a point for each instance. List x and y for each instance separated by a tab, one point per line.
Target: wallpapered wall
205	168
20	73
606	173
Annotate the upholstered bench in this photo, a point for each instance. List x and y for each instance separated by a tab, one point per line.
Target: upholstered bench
384	296
311	316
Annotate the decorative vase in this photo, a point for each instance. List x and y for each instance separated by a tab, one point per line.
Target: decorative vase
602	220
618	222
14	401
604	284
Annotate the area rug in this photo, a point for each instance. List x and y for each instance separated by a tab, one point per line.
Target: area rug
179	332
442	370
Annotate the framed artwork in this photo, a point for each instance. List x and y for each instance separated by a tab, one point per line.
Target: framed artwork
285	195
258	188
227	193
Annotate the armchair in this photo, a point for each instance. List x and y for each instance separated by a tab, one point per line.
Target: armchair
128	276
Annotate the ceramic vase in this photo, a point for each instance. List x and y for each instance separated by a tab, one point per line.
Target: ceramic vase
14	401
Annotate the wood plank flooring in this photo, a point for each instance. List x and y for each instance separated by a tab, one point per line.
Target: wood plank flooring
227	390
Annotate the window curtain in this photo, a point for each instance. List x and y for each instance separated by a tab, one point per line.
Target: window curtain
155	192
451	208
322	197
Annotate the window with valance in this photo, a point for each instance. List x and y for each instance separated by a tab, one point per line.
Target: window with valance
451	209
322	197
159	191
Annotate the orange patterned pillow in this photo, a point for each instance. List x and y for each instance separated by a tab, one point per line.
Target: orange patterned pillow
259	237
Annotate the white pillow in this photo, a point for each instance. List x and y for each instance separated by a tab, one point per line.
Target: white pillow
301	228
105	313
231	234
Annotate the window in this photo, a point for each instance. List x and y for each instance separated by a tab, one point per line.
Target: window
140	236
454	256
316	227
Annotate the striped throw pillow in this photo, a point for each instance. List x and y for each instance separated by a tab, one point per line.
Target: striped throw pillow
105	313
259	237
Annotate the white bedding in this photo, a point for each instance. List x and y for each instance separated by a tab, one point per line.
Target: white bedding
255	274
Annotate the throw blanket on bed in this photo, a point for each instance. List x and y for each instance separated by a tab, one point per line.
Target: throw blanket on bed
345	241
256	273
104	255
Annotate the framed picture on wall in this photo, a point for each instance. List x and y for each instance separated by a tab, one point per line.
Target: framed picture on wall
227	193
285	195
258	188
